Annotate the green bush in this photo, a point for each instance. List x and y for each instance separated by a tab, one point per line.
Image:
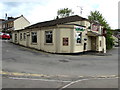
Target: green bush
109	40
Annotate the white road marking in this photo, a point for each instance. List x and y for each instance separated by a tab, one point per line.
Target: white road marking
52	80
72	83
80	81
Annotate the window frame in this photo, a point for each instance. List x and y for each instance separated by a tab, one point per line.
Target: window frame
65	41
15	37
20	36
24	36
80	37
33	36
49	38
100	43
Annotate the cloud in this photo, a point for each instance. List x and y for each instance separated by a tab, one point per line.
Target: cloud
43	10
12	4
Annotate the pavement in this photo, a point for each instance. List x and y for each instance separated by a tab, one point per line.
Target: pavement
29	68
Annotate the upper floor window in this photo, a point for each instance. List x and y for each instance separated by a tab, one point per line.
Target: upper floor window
34	37
48	37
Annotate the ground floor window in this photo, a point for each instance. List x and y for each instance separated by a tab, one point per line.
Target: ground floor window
15	37
34	37
48	37
20	36
100	43
24	36
78	37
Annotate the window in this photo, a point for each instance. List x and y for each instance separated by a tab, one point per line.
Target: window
24	36
78	37
48	35
34	37
100	43
20	36
15	37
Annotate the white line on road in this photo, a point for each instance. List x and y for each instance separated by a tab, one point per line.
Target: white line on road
52	80
80	81
72	83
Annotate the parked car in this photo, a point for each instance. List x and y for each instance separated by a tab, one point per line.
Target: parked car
4	35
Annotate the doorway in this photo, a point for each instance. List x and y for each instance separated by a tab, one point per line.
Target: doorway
27	41
85	45
93	43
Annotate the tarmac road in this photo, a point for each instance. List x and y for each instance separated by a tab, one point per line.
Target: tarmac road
61	70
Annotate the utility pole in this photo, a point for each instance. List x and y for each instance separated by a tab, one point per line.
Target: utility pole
81	10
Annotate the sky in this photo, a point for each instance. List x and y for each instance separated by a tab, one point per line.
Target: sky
43	10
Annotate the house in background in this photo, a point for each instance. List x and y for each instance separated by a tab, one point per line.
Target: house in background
1	22
72	34
12	24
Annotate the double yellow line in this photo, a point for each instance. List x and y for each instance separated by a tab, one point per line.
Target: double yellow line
22	74
48	76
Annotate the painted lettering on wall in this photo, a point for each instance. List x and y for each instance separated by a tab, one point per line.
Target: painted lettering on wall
79	28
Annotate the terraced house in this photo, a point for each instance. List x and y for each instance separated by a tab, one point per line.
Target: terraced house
12	24
73	34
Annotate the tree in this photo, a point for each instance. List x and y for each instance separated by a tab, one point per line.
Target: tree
65	12
96	16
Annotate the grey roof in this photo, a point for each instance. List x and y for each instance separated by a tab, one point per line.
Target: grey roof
10	20
57	22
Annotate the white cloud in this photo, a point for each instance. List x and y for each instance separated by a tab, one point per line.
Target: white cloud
43	10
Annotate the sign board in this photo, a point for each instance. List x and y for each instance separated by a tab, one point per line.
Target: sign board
65	41
79	28
95	27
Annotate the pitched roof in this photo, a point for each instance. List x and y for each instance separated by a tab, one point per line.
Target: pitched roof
2	19
12	19
57	21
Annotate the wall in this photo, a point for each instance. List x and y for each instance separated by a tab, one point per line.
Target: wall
89	43
22	41
104	44
0	26
51	47
20	23
29	39
65	33
79	47
60	32
101	44
13	37
84	23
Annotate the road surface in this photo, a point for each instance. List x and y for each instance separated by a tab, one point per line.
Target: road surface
27	68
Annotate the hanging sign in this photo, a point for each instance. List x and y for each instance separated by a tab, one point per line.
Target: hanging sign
95	27
79	28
